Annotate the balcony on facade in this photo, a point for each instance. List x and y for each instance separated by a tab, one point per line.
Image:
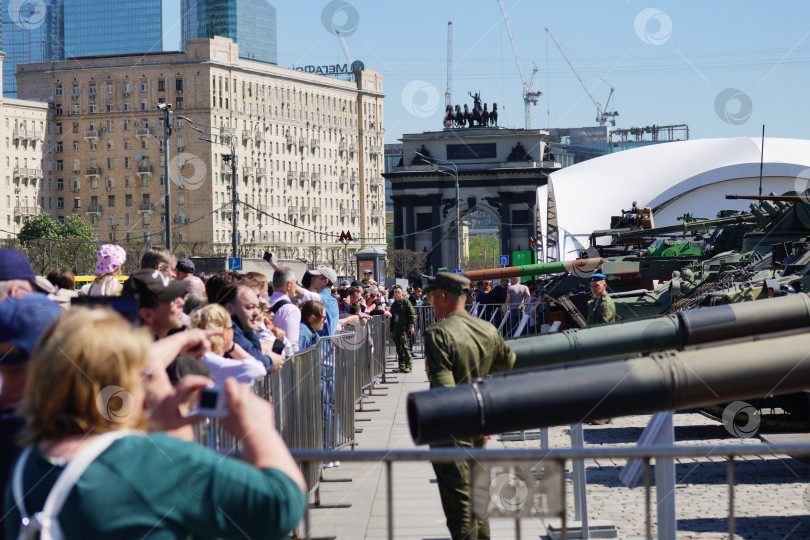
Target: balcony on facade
343	178
292	175
303	142
146	208
261	172
292	211
145	169
375	150
247	135
25	172
94	209
304	176
93	172
91	135
342	147
353	147
258	136
23	211
143	133
290	140
248	171
344	212
315	143
21	134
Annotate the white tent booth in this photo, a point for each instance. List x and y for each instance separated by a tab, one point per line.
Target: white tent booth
671	178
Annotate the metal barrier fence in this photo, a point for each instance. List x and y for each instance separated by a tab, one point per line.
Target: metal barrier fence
530	483
511	320
314	395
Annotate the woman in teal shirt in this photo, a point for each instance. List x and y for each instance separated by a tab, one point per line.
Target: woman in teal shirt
84	384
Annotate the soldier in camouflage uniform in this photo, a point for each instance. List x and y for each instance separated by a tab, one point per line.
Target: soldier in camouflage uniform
601	308
403	319
459	349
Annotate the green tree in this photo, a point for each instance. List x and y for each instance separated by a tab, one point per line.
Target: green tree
482	250
49	244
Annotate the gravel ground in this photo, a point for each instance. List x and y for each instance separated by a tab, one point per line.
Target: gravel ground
772	499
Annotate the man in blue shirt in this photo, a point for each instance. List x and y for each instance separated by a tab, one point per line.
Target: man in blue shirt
322	280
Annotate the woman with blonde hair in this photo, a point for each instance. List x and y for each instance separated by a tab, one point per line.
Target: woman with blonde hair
109	259
226	358
85	403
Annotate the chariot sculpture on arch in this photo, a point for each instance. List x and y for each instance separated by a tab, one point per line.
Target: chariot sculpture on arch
479	116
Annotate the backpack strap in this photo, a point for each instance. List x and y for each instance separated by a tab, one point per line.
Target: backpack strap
46	522
278	305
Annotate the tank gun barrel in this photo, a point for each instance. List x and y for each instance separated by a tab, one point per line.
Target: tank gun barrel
661	382
691	226
775	198
675	331
555	267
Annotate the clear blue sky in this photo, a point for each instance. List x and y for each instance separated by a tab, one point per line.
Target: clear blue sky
670	62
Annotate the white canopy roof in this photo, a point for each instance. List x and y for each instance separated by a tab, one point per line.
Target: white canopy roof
673	178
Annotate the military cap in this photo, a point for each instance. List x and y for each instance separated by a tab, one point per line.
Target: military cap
452	283
598	277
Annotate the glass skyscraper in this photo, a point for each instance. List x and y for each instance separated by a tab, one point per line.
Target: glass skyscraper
42	30
31	32
101	27
249	23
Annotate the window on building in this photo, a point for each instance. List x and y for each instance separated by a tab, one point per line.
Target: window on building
178	85
111	200
92	89
127	200
57	91
77	202
161	85
109	87
144	86
60	202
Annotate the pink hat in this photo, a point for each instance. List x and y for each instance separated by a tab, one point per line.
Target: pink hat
109	258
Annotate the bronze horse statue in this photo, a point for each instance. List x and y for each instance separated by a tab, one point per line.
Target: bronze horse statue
493	115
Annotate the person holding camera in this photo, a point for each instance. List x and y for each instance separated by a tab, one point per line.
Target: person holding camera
87	402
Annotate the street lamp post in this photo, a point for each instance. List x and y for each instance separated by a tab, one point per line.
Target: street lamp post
167	113
458	201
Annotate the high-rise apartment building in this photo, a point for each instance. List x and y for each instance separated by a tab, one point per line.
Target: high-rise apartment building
249	23
308	149
22	129
48	30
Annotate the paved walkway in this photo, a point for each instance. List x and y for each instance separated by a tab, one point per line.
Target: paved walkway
772	494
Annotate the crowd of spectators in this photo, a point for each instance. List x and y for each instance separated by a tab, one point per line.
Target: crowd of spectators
511	299
189	332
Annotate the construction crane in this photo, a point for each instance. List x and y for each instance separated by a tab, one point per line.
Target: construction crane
345	48
530	95
602	115
447	99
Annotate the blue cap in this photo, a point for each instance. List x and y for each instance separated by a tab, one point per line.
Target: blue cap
598	277
14	265
23	320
